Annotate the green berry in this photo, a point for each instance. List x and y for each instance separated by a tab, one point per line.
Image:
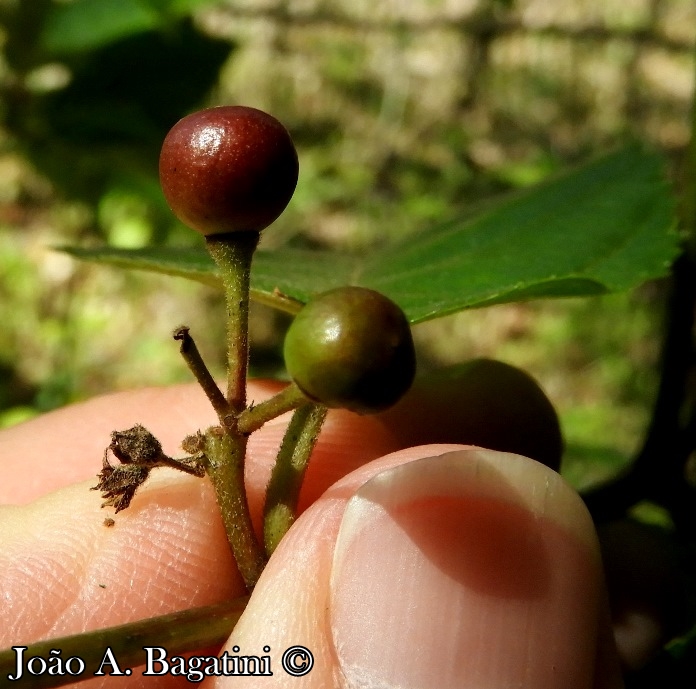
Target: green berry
351	347
228	169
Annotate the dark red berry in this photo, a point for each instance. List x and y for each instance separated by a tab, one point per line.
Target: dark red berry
351	347
228	169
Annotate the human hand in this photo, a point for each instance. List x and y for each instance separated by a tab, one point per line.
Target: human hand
473	568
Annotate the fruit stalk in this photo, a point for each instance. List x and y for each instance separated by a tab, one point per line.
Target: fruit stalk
280	508
233	254
197	366
289	398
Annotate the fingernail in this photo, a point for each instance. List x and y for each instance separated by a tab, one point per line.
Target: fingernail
470	569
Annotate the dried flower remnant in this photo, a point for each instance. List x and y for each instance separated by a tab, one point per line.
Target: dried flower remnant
139	452
118	484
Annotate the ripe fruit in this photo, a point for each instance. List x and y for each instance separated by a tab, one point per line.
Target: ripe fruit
228	169
351	347
481	402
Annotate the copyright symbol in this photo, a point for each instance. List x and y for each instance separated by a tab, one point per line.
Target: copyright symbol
297	661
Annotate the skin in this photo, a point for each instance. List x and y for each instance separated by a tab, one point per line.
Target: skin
458	553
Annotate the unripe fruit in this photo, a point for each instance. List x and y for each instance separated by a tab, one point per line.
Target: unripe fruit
351	347
228	169
481	402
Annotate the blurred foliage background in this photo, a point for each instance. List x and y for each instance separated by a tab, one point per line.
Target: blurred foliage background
405	112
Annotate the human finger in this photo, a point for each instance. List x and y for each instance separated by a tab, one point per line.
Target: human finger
62	570
66	446
437	566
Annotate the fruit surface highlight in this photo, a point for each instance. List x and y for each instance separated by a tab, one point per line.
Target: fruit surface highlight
351	347
228	169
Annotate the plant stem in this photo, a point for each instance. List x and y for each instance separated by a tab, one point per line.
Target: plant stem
233	254
195	362
178	632
658	467
289	398
657	472
284	487
225	453
225	447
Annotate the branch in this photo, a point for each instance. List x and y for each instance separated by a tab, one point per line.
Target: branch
178	632
659	466
192	357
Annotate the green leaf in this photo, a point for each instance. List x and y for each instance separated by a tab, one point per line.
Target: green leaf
108	123
194	264
86	24
606	227
283	279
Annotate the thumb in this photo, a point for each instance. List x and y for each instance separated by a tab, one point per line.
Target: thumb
443	566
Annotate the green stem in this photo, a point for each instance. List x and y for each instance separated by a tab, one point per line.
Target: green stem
225	453
233	254
178	632
284	487
289	398
195	362
225	447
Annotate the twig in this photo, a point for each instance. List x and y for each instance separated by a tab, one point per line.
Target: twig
178	632
195	362
225	465
658	467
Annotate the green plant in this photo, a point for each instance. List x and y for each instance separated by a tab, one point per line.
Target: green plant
351	347
229	172
605	227
119	74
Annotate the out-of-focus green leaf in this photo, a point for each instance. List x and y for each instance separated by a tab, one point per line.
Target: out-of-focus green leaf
194	264
108	123
177	8
86	24
606	227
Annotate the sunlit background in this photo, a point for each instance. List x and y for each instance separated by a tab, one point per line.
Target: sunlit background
405	113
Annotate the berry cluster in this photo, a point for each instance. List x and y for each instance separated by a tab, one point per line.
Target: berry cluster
233	169
228	173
